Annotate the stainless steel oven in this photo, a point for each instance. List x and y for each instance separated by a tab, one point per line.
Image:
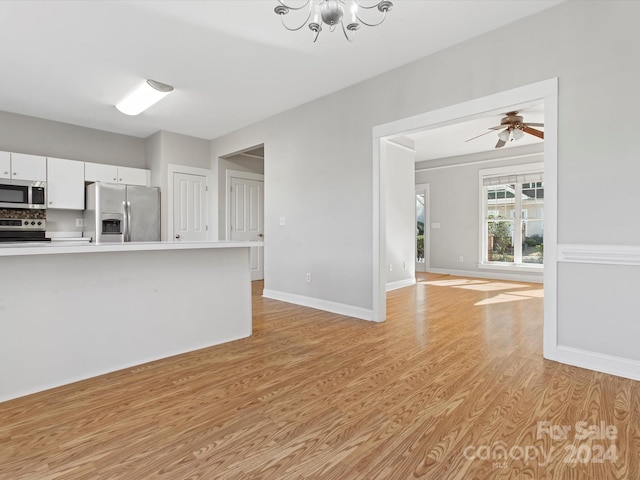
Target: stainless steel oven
22	194
28	229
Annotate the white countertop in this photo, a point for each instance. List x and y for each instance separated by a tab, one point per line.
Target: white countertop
51	248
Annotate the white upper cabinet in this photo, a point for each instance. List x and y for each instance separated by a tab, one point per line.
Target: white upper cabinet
5	165
134	176
65	184
20	166
98	172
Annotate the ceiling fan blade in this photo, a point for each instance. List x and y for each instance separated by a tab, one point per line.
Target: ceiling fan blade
533	131
473	138
533	124
498	127
501	143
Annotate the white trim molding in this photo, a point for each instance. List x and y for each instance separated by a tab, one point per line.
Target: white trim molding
407	282
326	305
600	254
600	362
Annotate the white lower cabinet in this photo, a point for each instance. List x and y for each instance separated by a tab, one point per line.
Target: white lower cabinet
65	184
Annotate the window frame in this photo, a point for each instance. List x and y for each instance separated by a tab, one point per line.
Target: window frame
523	169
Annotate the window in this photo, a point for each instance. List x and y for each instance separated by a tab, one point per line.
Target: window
512	226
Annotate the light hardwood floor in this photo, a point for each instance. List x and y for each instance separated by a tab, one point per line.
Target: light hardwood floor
450	382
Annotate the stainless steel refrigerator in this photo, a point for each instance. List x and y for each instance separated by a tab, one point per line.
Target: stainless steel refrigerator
122	213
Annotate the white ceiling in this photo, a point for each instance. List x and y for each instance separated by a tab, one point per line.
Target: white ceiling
231	62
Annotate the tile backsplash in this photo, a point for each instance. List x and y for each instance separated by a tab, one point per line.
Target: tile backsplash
22	213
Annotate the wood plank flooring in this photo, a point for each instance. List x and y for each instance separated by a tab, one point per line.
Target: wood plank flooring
451	386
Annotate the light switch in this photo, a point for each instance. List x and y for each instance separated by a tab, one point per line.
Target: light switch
283	221
435	225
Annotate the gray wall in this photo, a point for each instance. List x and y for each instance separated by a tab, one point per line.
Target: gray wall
401	219
23	134
454	204
164	148
318	157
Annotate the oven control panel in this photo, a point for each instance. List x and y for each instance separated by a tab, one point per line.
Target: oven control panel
13	224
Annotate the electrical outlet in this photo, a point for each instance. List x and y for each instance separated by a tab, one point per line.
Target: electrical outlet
79	222
308	278
283	221
391	267
461	259
404	265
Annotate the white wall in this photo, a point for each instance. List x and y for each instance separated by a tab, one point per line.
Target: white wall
164	148
401	220
455	204
319	155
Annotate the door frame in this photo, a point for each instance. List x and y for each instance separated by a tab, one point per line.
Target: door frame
424	188
171	170
545	91
229	173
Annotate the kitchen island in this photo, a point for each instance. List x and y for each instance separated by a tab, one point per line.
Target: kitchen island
70	312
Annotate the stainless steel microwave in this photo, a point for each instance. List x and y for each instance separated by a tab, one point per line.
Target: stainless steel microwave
22	194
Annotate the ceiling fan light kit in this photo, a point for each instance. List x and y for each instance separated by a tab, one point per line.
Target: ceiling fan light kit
513	127
346	13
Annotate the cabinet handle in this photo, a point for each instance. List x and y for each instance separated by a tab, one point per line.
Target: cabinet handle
15	173
6	173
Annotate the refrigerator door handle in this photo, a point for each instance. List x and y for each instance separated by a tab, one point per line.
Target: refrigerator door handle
126	233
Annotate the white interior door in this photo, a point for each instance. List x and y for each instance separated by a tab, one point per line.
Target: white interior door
247	218
189	207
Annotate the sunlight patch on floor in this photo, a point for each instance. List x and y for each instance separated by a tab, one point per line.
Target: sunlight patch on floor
512	297
492	287
453	283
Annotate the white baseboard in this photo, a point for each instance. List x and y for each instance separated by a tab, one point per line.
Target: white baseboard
600	362
326	305
492	275
407	282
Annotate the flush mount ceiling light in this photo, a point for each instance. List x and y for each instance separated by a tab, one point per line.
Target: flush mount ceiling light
147	94
347	13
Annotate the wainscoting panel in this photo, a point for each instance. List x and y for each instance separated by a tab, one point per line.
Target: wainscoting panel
598	308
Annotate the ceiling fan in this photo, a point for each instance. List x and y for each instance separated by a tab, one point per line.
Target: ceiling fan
513	127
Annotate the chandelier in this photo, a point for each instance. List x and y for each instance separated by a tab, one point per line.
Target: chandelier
347	13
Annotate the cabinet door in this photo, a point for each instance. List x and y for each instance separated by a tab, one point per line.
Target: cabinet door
99	172
5	165
134	176
28	167
65	184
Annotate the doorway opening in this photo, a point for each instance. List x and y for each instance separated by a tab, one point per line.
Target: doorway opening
422	227
544	92
242	201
